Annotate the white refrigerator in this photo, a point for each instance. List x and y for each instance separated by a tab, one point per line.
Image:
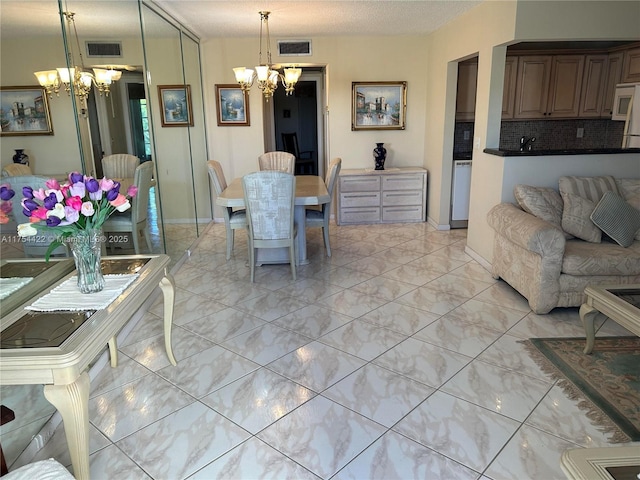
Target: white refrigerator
631	135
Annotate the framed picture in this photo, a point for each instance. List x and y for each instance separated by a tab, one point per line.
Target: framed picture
175	105
232	106
378	105
24	111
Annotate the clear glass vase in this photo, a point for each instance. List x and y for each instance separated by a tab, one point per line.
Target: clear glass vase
86	248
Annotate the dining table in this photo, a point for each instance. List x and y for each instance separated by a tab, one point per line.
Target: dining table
310	190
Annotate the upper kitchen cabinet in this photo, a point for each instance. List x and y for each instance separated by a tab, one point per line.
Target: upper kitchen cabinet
613	77
466	92
631	67
509	89
548	86
593	85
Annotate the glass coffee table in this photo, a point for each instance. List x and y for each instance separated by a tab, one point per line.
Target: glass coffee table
55	348
621	303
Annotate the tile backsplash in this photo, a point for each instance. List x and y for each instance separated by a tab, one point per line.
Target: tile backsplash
550	134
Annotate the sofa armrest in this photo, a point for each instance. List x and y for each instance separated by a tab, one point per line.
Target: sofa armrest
527	254
526	230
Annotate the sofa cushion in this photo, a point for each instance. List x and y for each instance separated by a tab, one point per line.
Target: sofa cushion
629	189
605	258
542	202
580	196
615	217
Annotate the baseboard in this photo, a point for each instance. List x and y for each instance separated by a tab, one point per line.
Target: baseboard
478	258
435	225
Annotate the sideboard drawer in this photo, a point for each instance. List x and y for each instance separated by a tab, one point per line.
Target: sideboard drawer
364	199
360	215
402	182
360	184
403	214
402	198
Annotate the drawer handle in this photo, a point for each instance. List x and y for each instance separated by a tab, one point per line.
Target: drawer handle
403	194
364	211
360	196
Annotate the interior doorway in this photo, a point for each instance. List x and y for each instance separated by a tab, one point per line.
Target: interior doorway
301	113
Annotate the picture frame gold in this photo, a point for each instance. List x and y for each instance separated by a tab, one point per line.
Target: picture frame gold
378	105
175	105
24	111
232	106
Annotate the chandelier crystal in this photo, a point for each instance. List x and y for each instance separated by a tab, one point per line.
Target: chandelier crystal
266	75
77	76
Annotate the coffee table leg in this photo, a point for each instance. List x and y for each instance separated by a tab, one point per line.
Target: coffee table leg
113	352
167	285
588	315
72	401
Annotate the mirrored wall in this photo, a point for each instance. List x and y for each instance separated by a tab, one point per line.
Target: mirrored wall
157	55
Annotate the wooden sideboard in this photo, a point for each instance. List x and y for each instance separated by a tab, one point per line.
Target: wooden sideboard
395	195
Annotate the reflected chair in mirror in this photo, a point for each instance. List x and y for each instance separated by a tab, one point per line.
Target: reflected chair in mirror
319	218
305	163
134	220
119	165
37	245
280	161
16	169
269	198
232	219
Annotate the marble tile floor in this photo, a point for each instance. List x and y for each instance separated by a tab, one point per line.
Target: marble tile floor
397	357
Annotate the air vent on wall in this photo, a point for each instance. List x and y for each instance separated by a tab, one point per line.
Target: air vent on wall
293	48
104	49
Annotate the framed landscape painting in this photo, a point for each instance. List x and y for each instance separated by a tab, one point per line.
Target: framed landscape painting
24	111
175	105
378	105
232	106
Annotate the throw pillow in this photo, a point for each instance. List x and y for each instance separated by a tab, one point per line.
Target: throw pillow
616	218
580	196
542	202
629	189
576	218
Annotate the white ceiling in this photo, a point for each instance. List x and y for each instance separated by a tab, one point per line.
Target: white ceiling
299	19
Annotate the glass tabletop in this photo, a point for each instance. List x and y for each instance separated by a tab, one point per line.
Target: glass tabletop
50	329
629	295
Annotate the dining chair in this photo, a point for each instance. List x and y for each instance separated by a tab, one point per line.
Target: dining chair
134	220
232	219
269	197
280	161
320	218
16	169
305	163
37	245
119	165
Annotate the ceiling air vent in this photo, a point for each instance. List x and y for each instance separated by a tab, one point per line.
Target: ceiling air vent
293	48
104	49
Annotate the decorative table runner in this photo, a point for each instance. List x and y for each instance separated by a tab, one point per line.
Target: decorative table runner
66	296
11	284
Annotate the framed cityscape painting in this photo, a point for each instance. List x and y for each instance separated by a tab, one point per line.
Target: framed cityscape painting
378	105
232	106
175	105
24	111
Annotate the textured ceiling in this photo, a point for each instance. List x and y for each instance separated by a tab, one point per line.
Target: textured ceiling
239	18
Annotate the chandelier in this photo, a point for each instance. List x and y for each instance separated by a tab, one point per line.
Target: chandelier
265	73
76	76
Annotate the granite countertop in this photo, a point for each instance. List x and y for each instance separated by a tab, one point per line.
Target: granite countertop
569	151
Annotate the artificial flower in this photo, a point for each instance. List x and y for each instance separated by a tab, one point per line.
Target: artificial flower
81	203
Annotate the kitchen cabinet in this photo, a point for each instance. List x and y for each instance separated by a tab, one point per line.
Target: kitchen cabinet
613	77
593	85
396	195
548	86
466	91
509	88
631	66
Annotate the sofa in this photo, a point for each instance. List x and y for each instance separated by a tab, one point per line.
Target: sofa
554	242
